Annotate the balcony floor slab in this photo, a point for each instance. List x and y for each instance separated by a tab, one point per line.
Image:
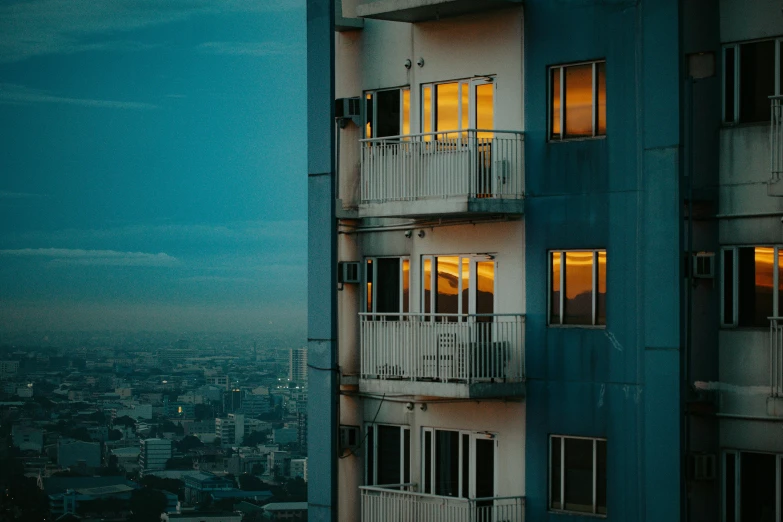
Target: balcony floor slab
443	206
451	390
423	10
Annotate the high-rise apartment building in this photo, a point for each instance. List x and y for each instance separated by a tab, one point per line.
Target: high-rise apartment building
297	365
154	453
545	260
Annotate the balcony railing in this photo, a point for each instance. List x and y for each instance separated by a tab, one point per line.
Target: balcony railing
776	356
443	347
776	137
398	504
470	163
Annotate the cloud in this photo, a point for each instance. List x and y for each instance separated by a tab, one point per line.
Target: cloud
18	94
93	257
20	195
250	48
43	27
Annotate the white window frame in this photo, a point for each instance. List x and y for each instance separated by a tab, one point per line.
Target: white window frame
402	304
463	83
737	478
374	115
737	62
562	438
403	431
562	287
473	436
550	101
735	283
473	260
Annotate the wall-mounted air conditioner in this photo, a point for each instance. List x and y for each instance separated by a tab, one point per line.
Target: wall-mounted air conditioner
701	466
704	265
349	438
348	272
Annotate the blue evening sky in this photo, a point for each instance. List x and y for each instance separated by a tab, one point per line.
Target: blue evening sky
152	165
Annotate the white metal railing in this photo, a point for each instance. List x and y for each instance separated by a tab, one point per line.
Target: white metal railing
443	347
400	504
474	162
776	356
776	137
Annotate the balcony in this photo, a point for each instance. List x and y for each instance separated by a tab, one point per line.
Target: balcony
423	10
443	355
466	172
395	504
776	145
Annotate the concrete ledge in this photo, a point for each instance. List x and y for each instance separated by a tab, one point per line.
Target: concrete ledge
456	205
423	10
452	390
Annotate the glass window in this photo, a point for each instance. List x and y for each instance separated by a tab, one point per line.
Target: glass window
459	463
387	288
458	286
577	287
452	106
751	74
388	454
577	474
387	113
749	281
577	107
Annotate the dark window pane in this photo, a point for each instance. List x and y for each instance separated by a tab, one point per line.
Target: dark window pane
600	474
554	298
370	456
578	101
428	462
757	487
388	286
731	488
485	288
554	115
765	261
728	287
755	286
466	465
485	469
389	455
579	475
554	485
601	287
388	113
447	463
578	292
406	285
601	98
406	456
728	85
757	80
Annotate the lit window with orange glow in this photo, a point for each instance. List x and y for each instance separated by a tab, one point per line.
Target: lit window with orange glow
752	285
455	288
577	101
577	287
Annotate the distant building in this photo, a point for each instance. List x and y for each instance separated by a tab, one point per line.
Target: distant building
127	458
78	454
154	453
27	438
230	429
69	494
285	435
201	483
297	365
201	517
8	369
286	511
298	469
279	463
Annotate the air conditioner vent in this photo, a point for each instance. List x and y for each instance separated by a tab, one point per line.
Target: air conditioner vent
349	438
704	265
348	272
701	466
347	107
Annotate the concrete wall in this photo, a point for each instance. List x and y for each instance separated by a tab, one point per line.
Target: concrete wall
620	193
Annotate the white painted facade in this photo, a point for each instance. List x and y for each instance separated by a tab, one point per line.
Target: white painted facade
373	58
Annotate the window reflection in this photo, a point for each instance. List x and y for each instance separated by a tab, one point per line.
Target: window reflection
578	306
601	98
426	275
406	285
554	115
426	109
764	258
447	106
485	108
579	101
406	111
447	285
554	313
601	295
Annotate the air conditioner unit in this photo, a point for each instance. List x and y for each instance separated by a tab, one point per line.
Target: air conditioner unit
349	438
347	107
704	265
348	272
701	466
